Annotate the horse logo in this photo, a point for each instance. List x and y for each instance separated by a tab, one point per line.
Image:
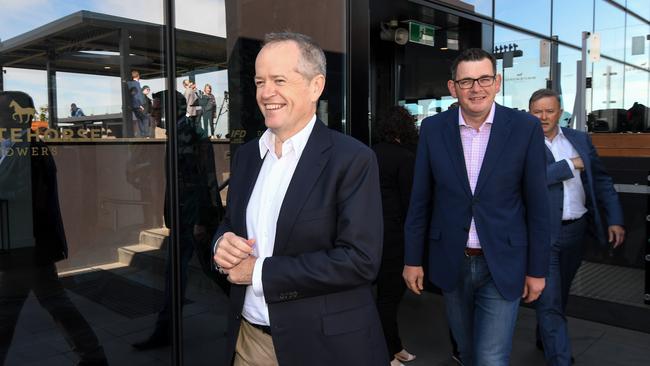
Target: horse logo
21	111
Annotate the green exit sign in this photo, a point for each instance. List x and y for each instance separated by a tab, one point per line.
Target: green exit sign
421	33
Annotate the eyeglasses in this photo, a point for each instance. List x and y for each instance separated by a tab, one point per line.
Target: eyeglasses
483	81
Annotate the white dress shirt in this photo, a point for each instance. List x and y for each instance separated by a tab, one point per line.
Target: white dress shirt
573	206
264	207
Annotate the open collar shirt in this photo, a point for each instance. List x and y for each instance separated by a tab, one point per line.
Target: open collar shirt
264	208
474	146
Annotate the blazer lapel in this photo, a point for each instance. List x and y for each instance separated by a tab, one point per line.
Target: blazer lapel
251	171
455	150
310	166
549	155
499	134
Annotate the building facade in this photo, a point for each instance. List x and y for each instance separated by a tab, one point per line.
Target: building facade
128	168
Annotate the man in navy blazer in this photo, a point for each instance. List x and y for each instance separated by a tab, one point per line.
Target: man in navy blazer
302	237
578	188
479	204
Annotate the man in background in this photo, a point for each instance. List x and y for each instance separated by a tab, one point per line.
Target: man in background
578	189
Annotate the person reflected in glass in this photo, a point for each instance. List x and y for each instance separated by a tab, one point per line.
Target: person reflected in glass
191	100
137	104
33	237
76	111
147	107
579	189
208	105
397	139
201	211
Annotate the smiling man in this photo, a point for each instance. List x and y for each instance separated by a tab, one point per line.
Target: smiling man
579	190
479	204
302	237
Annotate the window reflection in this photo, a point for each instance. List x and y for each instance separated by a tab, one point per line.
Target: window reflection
538	13
610	24
571	18
525	76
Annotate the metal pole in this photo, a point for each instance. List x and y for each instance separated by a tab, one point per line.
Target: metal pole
51	90
580	106
169	28
555	66
125	76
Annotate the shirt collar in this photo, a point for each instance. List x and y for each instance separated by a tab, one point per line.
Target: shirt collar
560	134
489	119
298	141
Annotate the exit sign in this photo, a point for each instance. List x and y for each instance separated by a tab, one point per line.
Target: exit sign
421	33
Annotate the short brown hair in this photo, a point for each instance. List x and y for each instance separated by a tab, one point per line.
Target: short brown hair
473	54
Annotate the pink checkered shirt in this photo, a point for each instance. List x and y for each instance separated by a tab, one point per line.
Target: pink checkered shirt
474	146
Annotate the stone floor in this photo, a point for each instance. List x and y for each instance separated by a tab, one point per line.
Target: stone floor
37	341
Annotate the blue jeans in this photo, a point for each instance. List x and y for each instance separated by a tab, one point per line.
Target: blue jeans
566	256
481	320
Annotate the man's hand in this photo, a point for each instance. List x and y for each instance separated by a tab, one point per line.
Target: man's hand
414	276
232	249
242	274
533	288
616	235
577	163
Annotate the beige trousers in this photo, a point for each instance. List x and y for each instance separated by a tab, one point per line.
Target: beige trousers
254	347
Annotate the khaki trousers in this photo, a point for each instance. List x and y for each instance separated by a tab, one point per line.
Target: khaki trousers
254	347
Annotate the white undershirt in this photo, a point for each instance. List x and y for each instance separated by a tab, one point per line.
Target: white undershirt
264	207
573	205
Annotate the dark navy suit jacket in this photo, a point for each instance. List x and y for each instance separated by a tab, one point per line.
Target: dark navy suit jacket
509	205
327	252
598	186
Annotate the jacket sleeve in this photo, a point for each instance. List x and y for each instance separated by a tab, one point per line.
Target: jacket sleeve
354	258
606	195
419	213
535	194
558	171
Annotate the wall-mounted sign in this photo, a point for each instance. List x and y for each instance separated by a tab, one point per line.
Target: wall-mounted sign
421	33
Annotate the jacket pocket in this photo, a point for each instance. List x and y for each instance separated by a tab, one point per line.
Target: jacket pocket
347	321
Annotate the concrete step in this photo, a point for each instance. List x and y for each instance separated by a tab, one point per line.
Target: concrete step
154	237
153	260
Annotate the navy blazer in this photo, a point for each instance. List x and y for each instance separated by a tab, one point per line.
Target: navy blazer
327	252
598	186
509	204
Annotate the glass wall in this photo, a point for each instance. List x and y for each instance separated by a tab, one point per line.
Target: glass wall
511	11
526	74
85	214
82	181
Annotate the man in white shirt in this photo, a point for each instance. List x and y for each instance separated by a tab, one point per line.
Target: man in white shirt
302	237
578	187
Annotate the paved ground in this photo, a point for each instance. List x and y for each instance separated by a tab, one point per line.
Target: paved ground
424	331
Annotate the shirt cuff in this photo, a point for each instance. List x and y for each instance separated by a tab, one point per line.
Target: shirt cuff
258	289
214	252
571	165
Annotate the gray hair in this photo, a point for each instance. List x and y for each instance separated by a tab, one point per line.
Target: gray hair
312	61
543	93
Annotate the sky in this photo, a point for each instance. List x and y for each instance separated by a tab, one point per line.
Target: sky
99	95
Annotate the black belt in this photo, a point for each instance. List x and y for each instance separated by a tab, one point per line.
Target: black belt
264	328
569	222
